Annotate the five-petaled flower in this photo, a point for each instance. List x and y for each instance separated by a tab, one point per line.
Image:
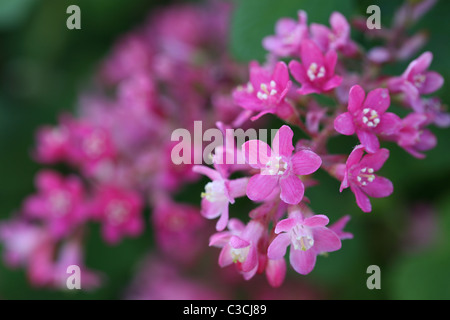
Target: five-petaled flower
219	193
367	117
417	80
279	167
316	72
239	245
307	237
266	91
360	176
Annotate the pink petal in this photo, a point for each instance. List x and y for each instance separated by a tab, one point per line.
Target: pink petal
378	99
339	24
389	124
276	272
251	260
219	239
325	240
292	189
380	187
330	62
433	82
310	53
238	243
223	221
256	153
212	210
332	83
258	75
420	64
282	142
305	162
237	188
368	140
298	71
344	124
338	228
210	173
261	186
285	26
281	75
277	249
355	98
318	220
247	100
361	199
225	258
303	261
321	35
375	160
355	156
285	225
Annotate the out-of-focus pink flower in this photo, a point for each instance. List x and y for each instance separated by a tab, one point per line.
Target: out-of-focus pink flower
279	167
360	176
159	279
71	254
219	193
52	144
20	239
413	136
417	80
179	230
337	38
60	203
239	246
120	212
367	117
307	237
316	72
266	91
436	112
289	34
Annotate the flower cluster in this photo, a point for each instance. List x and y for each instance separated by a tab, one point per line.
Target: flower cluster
172	72
116	152
304	62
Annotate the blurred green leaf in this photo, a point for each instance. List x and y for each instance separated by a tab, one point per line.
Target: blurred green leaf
13	12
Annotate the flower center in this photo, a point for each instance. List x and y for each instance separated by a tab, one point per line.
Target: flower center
60	203
370	118
116	212
215	191
94	145
239	254
301	237
419	80
314	72
365	176
267	90
275	166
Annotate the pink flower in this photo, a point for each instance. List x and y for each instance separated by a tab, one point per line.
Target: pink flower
179	230
52	144
120	212
219	193
337	38
307	238
19	240
279	167
417	80
413	137
60	202
367	117
288	36
240	246
266	91
360	176
316	72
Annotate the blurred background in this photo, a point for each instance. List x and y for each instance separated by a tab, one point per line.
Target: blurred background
44	66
